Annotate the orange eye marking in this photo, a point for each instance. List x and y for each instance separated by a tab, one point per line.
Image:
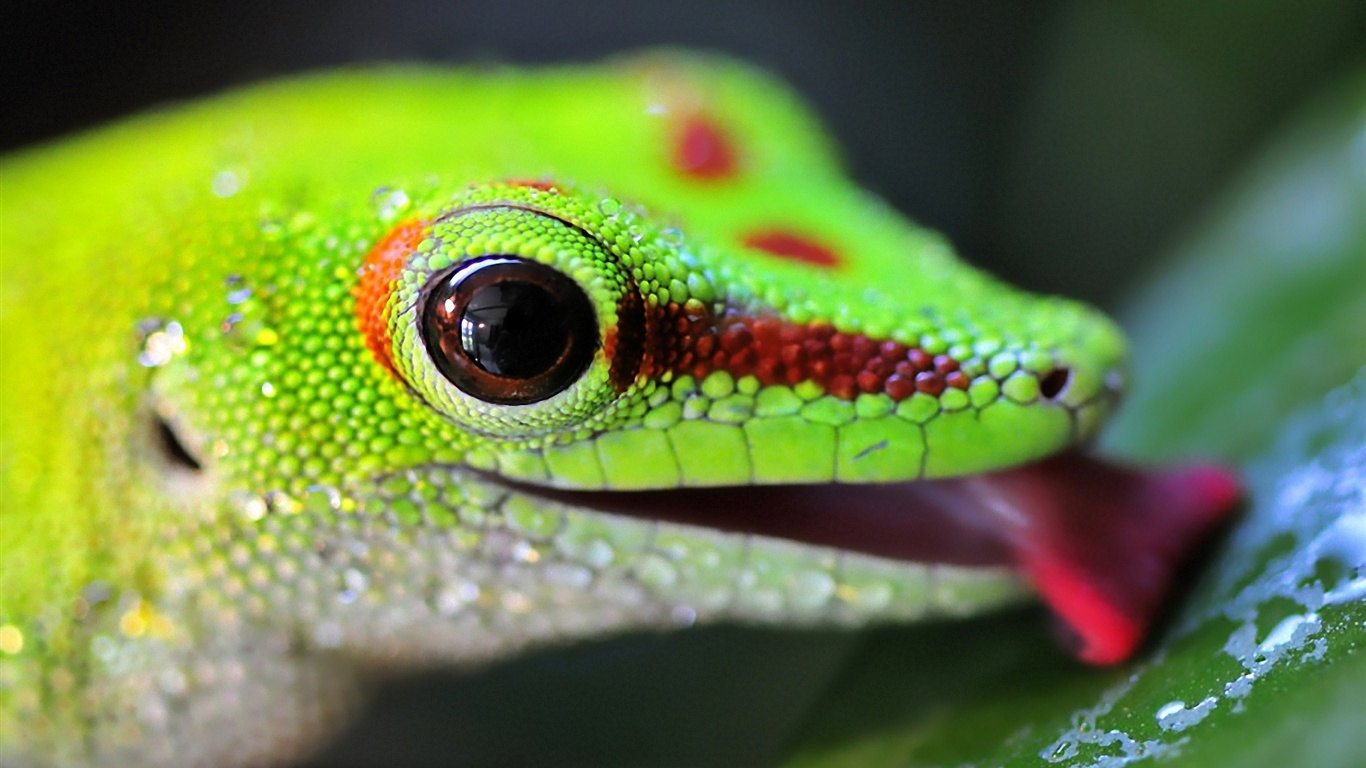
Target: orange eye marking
703	150
380	269
792	246
544	186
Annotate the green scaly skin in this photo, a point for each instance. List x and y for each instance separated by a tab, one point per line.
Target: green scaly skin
200	264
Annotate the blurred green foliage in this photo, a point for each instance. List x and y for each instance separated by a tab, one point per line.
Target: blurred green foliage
1132	116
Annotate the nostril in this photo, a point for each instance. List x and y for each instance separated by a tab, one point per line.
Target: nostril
173	449
1052	385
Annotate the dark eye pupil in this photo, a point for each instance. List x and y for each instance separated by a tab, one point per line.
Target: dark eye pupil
513	329
508	330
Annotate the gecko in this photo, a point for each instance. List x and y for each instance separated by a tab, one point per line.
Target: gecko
401	367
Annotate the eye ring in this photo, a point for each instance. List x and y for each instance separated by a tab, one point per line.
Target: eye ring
507	330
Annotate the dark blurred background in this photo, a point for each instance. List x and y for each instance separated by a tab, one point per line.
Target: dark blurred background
1064	145
1061	144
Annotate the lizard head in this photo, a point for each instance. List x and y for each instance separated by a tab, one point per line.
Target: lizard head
523	384
578	342
563	340
593	381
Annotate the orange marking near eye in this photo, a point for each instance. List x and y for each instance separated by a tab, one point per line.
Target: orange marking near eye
703	151
380	269
792	246
544	186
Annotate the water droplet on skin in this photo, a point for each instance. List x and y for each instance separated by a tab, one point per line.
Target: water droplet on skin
609	207
389	202
267	389
355	580
254	507
239	295
320	499
279	502
161	342
230	323
523	552
226	183
242	333
455	596
683	615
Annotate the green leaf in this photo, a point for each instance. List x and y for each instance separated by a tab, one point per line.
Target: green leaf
1250	346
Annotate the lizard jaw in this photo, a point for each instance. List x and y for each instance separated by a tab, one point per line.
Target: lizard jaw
1102	544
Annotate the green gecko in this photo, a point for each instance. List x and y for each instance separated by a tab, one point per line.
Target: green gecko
378	369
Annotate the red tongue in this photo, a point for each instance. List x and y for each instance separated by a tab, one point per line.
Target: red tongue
1102	543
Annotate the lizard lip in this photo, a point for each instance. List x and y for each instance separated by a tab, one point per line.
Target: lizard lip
1101	543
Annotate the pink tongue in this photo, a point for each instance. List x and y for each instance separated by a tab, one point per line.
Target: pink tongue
1103	543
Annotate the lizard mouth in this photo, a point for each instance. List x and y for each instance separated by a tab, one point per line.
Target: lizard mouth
1102	544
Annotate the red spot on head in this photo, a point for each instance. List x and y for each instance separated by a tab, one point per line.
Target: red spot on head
790	245
380	269
703	151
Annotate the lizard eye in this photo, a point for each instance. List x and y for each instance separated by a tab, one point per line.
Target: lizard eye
514	315
509	331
